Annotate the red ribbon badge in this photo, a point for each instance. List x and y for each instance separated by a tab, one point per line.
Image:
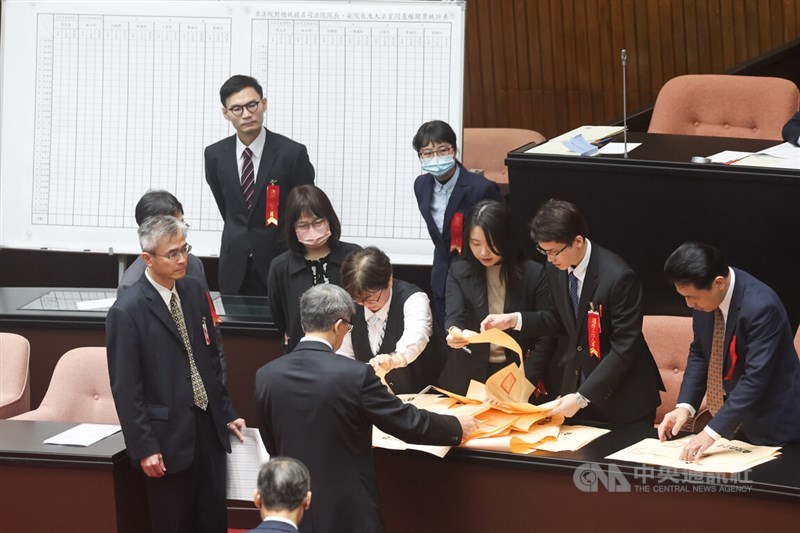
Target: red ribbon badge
273	198
457	232
593	322
734	357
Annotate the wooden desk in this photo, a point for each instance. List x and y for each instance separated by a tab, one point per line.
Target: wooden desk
643	207
67	488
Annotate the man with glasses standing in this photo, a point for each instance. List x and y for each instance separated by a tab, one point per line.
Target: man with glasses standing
166	380
445	192
251	174
609	374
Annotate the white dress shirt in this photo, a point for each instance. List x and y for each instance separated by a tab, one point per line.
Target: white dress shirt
280	519
257	147
441	195
165	293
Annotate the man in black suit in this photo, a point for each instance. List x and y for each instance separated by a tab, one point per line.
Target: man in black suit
791	130
742	358
251	174
167	386
608	371
283	495
319	407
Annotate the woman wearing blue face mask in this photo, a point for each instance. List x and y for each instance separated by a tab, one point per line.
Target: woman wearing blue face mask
445	192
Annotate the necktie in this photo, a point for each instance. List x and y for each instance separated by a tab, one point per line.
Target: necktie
573	293
248	177
714	389
377	328
198	389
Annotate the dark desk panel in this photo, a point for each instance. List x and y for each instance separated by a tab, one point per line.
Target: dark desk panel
249	337
643	207
67	488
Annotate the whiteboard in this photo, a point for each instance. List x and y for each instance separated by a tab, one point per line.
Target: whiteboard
102	101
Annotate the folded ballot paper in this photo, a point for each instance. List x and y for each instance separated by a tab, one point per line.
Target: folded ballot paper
584	140
724	456
506	421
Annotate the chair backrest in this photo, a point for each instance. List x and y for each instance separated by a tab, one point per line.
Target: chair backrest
79	391
717	105
486	148
15	382
669	338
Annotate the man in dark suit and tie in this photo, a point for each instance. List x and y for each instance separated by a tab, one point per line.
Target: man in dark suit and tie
166	381
319	407
251	174
283	495
791	130
609	374
742	357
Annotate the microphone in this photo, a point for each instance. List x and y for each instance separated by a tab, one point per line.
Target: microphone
624	57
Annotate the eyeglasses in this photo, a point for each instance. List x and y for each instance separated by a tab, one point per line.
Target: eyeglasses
442	151
349	325
174	255
317	223
239	109
369	301
552	254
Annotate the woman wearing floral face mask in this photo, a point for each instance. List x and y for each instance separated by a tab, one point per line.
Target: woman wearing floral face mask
445	192
315	256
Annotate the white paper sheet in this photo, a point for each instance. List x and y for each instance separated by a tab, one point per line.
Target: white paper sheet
244	462
90	305
617	148
728	156
783	150
83	434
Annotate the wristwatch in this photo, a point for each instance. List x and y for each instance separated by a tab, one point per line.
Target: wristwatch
582	401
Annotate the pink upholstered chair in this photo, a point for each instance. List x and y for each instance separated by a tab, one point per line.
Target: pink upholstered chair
669	338
716	105
486	148
15	382
79	391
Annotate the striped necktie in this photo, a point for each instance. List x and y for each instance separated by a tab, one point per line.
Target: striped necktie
248	178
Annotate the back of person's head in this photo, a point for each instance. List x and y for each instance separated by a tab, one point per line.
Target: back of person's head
310	201
323	305
495	220
154	203
695	263
435	131
236	83
155	228
558	221
283	484
366	270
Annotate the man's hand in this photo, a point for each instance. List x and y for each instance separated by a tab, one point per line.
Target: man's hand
696	448
153	465
387	361
566	406
468	426
236	427
672	423
503	321
457	338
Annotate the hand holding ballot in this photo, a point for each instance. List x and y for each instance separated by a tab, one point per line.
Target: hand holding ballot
387	362
457	338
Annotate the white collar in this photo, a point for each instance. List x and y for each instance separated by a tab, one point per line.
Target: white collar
580	270
314	338
382	313
280	519
725	305
257	146
165	293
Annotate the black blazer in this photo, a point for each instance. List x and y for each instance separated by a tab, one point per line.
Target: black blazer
320	407
761	374
467	306
149	372
791	131
283	161
623	385
289	278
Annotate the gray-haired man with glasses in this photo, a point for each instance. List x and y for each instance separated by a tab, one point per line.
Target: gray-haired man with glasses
251	174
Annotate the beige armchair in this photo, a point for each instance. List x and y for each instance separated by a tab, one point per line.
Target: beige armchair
15	381
752	107
486	148
79	391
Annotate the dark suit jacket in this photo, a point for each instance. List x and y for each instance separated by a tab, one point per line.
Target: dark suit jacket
470	189
149	372
320	407
467	306
762	381
623	384
289	278
283	161
791	131
273	526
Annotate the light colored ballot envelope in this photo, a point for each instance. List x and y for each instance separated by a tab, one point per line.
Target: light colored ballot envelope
572	438
724	456
546	429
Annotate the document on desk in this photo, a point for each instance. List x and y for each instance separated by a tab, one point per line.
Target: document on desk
572	438
783	150
95	305
724	456
84	434
381	439
244	462
618	148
